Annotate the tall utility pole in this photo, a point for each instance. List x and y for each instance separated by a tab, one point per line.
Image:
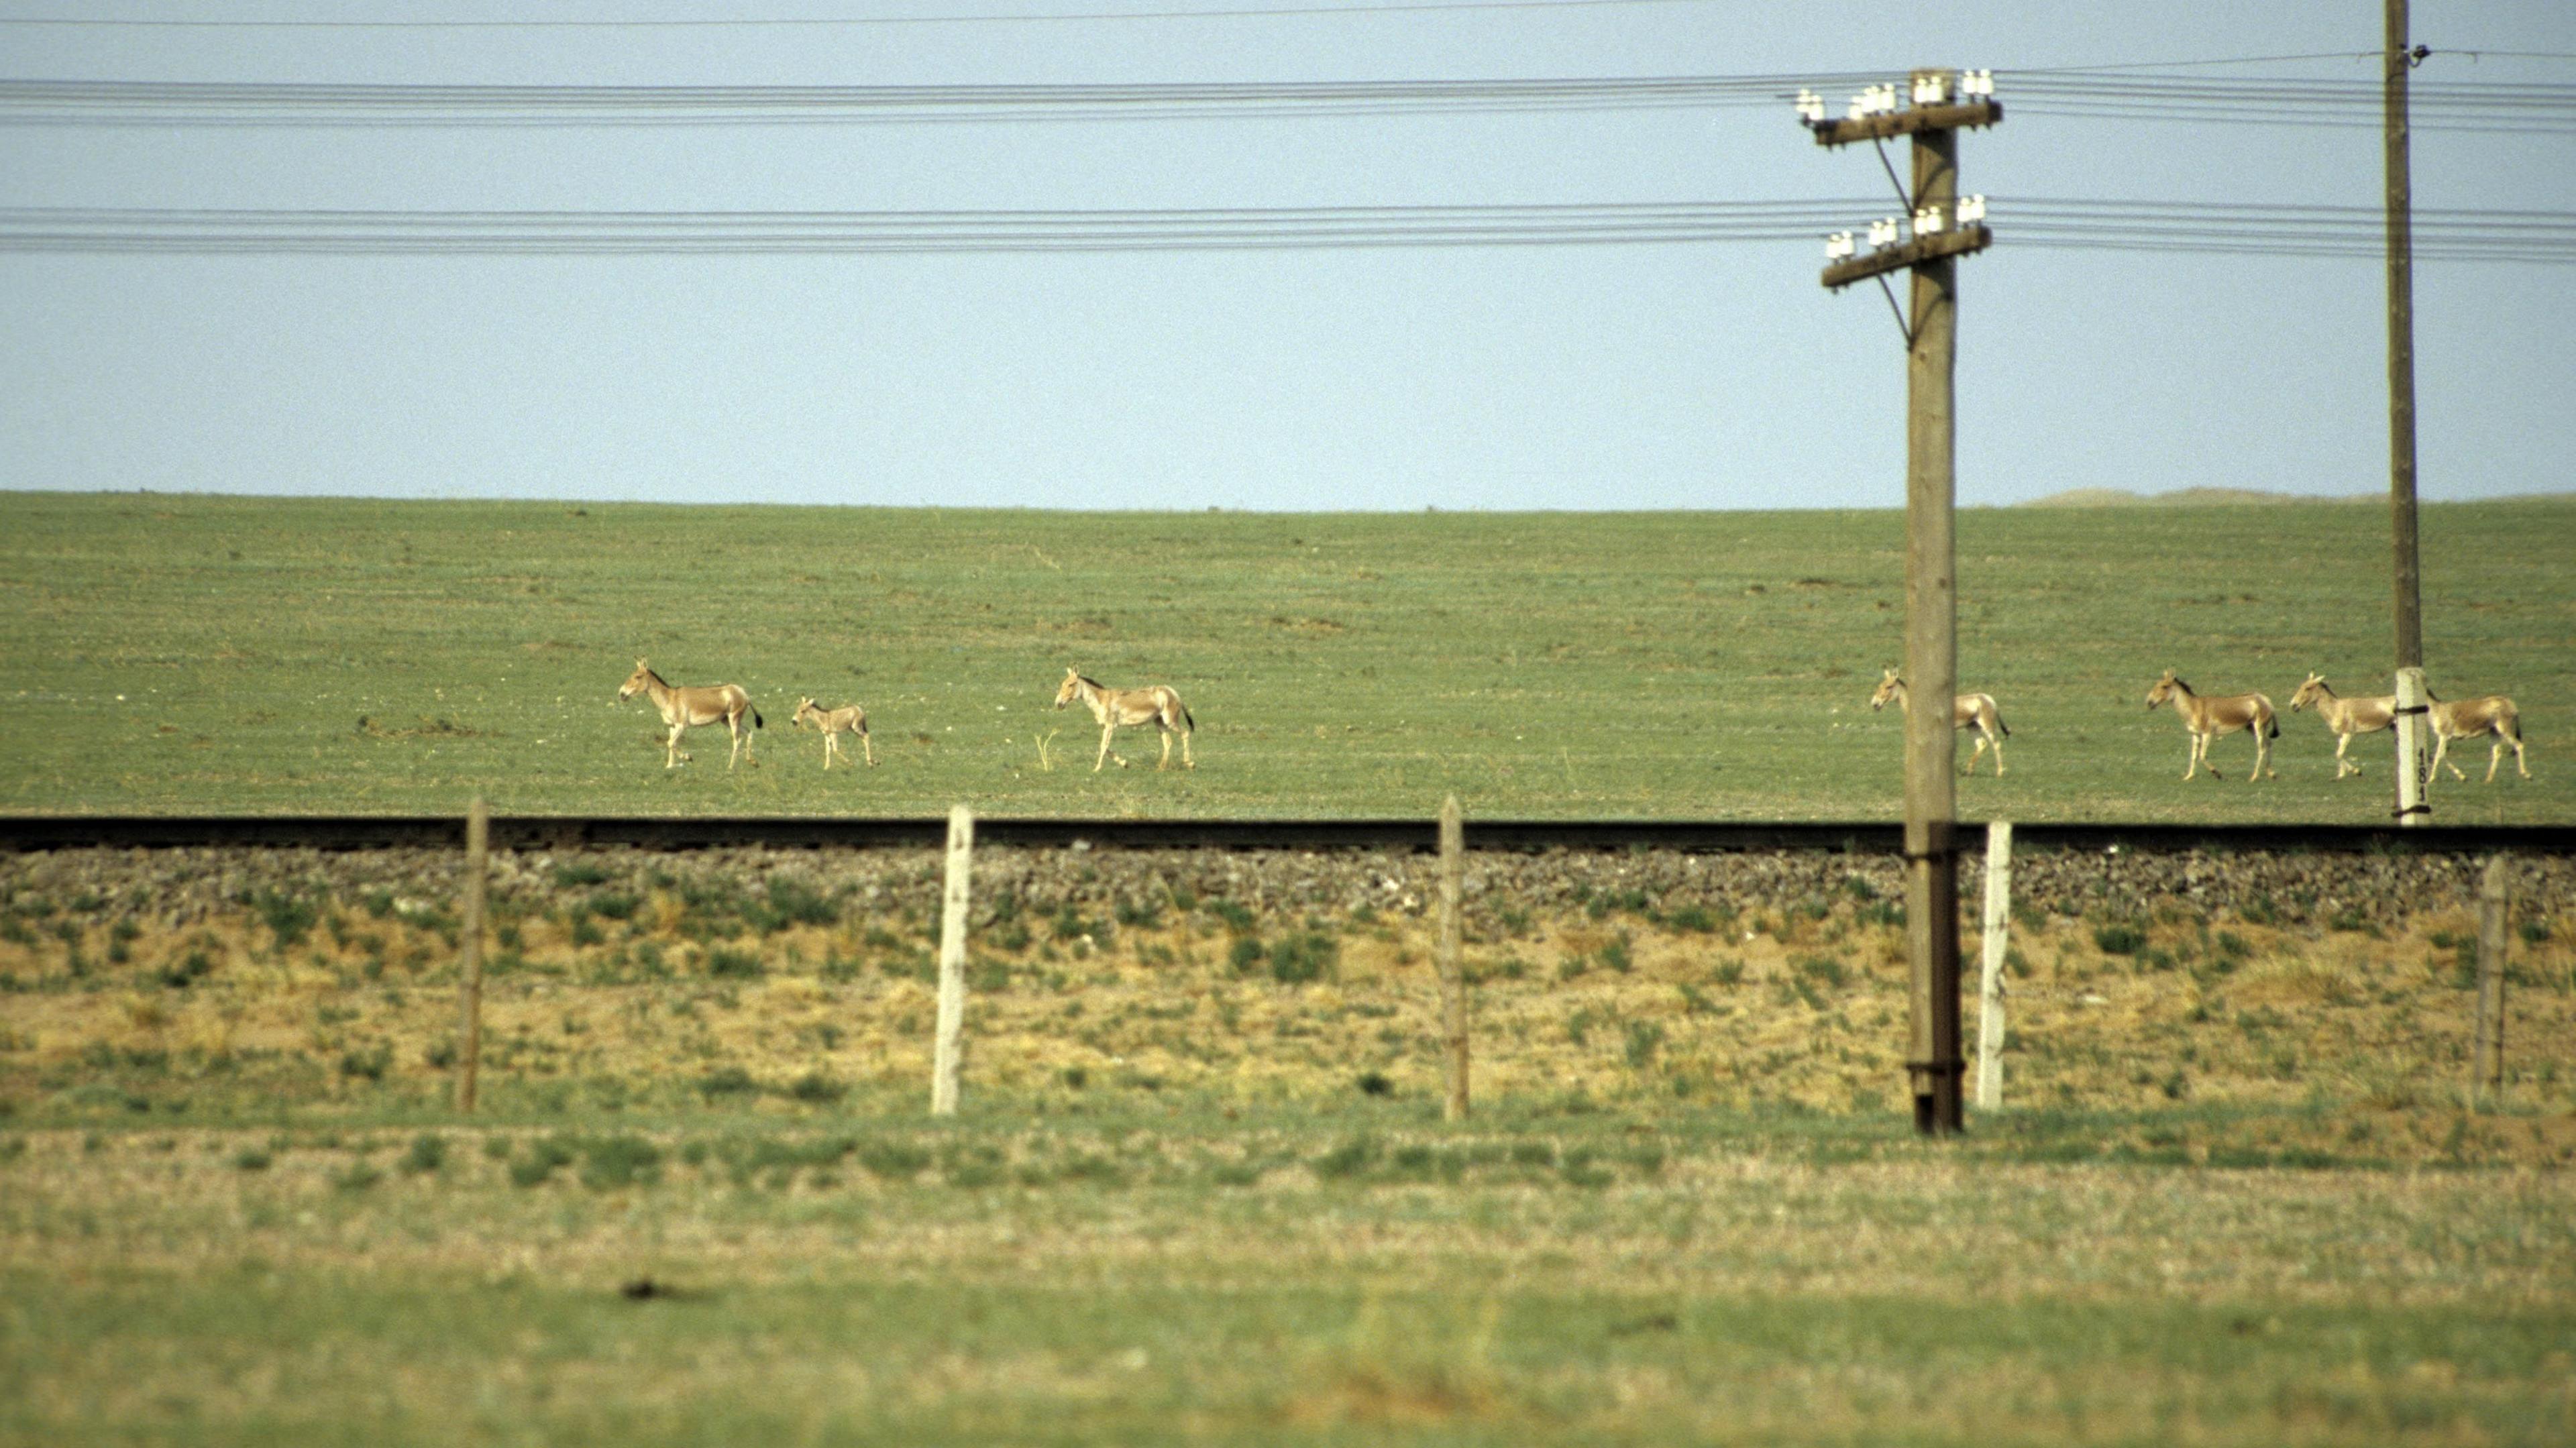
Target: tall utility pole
1943	104
2414	742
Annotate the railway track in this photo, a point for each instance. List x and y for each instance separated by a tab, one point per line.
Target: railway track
24	833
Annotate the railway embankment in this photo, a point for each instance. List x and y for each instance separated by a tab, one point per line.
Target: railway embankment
2336	986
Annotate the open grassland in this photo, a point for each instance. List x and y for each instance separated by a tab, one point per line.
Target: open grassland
170	654
1188	1276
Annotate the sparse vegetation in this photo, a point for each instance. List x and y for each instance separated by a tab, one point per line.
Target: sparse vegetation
427	1154
2119	937
1302	956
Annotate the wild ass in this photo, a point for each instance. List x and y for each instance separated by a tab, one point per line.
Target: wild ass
1967	711
848	719
698	704
2210	717
2470	718
1154	704
2346	717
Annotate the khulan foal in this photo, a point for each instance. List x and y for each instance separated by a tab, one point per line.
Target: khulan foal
848	719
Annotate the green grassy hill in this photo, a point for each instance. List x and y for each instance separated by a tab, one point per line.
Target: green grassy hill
170	654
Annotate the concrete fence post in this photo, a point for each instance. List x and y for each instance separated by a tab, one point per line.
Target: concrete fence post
1990	980
947	1055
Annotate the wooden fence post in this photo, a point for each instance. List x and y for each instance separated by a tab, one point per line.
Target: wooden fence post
952	965
1453	975
478	840
1990	980
2486	1061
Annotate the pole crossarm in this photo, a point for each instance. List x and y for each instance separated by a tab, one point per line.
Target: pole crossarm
1911	254
1910	122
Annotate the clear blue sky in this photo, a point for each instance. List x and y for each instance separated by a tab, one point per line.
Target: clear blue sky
1704	375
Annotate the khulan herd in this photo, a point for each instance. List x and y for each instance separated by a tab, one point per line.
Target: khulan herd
685	708
2211	717
2208	718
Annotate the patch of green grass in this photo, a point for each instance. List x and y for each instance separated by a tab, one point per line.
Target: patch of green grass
537	1161
2120	937
1823	972
788	901
1644	1038
817	1088
427	1154
897	1161
186	971
1348	1158
289	917
367	1063
1303	956
611	1162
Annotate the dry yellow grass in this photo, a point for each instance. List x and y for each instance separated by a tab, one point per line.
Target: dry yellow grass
1800	1007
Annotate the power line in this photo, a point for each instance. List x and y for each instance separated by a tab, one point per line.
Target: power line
2190	64
836	21
2544	237
897	231
2457	105
2370	56
2475	106
162	103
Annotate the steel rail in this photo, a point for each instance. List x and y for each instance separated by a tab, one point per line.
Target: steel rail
31	833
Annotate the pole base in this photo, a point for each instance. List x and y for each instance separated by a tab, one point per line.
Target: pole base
1938	1107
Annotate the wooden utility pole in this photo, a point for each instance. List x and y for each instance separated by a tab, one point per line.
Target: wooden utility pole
469	996
1453	973
1940	235
948	1049
2414	738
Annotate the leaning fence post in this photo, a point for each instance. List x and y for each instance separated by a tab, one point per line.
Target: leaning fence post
952	964
478	839
2486	1062
1453	977
1990	981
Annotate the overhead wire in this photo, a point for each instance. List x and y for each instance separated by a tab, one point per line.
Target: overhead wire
2436	105
2074	91
2530	236
1387	7
155	102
